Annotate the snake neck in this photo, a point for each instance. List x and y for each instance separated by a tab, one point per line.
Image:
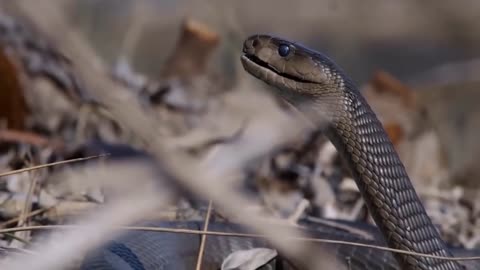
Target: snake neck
381	177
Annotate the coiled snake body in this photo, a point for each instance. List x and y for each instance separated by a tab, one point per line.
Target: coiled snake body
314	84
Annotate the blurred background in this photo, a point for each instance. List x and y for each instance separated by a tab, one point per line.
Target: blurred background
405	38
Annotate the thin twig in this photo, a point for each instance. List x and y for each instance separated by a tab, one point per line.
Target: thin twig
31	214
18	238
11	135
28	200
249	235
50	165
27	207
204	237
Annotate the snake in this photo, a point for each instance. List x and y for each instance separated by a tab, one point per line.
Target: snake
311	81
314	84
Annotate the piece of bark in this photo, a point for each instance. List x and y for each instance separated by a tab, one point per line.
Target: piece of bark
395	132
191	55
13	108
383	81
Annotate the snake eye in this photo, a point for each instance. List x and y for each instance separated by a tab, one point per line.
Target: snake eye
283	50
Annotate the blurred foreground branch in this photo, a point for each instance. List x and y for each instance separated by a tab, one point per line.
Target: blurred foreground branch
213	178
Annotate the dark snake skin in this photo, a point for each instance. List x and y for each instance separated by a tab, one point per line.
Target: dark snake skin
316	85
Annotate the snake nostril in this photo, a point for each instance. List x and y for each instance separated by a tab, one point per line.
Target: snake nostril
250	45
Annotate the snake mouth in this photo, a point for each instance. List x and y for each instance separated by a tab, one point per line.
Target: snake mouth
260	64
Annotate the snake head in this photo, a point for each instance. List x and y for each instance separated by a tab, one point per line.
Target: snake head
288	66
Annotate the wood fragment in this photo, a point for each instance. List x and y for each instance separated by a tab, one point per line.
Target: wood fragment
192	52
383	81
13	108
395	132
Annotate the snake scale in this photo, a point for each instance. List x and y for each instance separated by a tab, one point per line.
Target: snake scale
314	84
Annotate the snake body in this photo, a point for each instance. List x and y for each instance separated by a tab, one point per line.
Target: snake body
313	83
145	250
